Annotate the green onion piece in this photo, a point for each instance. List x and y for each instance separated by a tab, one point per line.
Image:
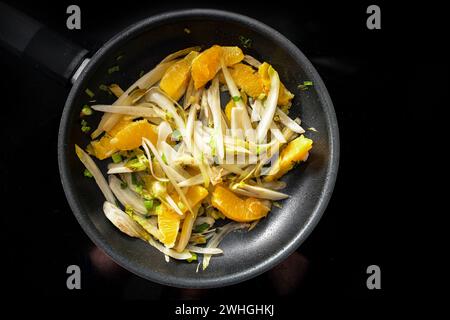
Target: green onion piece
87	173
236	98
201	227
105	88
113	69
89	93
119	57
85	129
246	42
116	158
186	30
193	258
305	85
139	188
141	73
176	135
123	185
148	204
86	111
164	159
84	123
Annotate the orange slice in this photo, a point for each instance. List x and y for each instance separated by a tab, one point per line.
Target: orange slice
168	225
297	150
130	137
235	208
176	79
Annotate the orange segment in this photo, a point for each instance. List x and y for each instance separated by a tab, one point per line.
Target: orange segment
247	79
297	150
168	225
205	66
232	55
176	79
235	208
194	195
284	95
130	137
207	63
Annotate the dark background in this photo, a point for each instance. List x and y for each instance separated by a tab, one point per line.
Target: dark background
380	82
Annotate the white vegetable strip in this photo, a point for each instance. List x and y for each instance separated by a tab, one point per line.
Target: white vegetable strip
96	173
258	192
245	120
190	128
203	250
156	96
168	173
174	206
252	61
195	180
204	219
214	103
276	132
270	106
180	53
218	237
170	252
150	164
114	168
123	221
128	110
127	196
164	130
288	122
109	120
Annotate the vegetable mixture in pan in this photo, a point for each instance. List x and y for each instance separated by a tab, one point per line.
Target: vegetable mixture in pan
180	163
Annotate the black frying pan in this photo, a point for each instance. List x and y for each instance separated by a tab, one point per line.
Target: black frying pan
143	45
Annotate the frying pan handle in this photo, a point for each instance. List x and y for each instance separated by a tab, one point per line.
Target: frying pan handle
25	37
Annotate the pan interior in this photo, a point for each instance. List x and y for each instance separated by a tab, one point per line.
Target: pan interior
245	253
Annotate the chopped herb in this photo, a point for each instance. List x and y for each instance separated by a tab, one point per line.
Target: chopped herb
176	135
258	150
181	206
89	93
192	258
129	210
201	227
313	129
186	30
236	98
305	85
141	73
164	159
85	126
123	185
148	204
93	101
105	88
113	69
87	173
246	42
119	57
277	204
134	179
86	111
139	188
116	158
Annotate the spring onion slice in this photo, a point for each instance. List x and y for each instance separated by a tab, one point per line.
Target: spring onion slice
98	176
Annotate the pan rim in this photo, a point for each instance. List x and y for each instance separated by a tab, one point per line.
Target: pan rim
294	243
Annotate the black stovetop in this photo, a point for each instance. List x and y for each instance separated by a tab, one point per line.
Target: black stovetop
360	68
